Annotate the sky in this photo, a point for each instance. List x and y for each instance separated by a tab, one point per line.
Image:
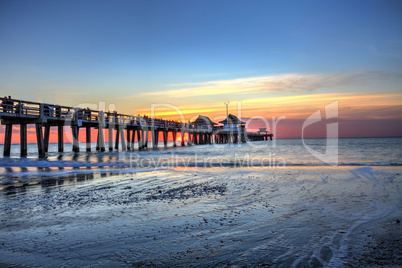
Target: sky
270	59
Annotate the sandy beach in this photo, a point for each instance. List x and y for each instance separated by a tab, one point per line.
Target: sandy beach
295	216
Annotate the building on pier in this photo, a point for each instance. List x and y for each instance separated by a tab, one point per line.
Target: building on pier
204	129
203	122
232	123
233	129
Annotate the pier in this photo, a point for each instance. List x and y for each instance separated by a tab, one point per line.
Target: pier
122	129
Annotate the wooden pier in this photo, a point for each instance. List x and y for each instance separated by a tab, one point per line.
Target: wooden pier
127	128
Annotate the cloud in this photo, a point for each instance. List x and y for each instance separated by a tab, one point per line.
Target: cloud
293	82
278	83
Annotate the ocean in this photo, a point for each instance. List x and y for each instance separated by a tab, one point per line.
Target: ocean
280	203
276	153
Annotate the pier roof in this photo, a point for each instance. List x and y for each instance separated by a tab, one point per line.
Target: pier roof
232	119
203	120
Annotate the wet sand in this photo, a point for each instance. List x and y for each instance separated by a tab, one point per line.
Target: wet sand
382	246
205	217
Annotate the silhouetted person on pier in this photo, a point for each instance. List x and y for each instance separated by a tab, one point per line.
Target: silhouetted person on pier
51	111
87	114
19	108
46	110
10	104
115	117
58	111
4	104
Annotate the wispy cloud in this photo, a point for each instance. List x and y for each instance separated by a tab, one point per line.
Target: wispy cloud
293	82
286	82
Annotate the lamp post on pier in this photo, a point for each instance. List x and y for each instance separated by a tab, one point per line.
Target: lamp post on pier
227	112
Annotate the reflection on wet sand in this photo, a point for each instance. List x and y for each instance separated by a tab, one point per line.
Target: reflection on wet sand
19	184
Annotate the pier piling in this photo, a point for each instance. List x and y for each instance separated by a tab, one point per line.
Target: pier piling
60	138
7	139
76	145
39	140
128	136
88	139
139	139
165	135
101	139
23	140
117	137
111	127
123	141
174	133
46	138
146	139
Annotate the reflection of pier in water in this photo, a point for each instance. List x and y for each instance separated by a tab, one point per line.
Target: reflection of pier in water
19	184
128	129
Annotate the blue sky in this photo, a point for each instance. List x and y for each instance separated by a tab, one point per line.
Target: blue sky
133	53
158	42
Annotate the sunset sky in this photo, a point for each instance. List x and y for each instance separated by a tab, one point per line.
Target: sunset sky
268	58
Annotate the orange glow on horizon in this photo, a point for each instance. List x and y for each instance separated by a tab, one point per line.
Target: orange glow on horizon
353	107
